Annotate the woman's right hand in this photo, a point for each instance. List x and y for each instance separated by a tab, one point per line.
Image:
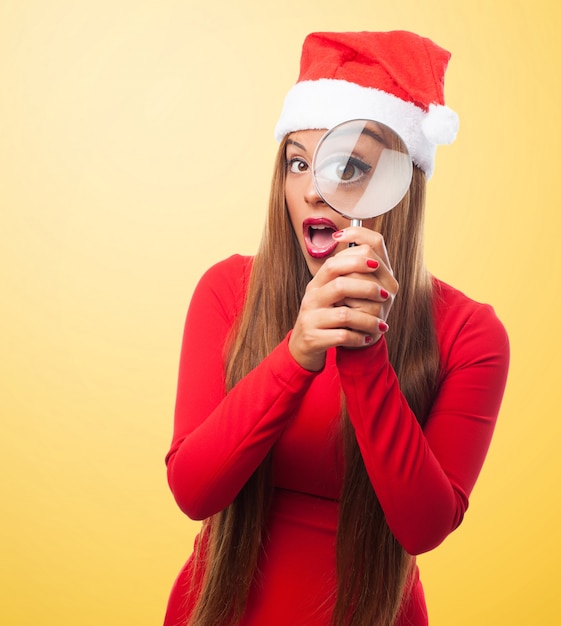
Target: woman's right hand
361	276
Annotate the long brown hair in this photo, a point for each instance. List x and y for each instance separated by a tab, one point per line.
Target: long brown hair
372	566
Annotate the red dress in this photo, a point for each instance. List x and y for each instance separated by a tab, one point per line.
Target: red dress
422	477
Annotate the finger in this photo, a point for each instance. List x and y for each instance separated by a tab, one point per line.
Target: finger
353	287
381	274
308	345
316	331
345	338
377	264
349	338
342	265
382	297
364	236
350	319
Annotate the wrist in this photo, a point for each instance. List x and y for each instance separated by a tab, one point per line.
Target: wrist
362	357
311	361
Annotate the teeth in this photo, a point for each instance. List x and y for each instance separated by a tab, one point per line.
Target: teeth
319	227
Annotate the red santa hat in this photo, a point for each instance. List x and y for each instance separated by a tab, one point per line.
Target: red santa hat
395	77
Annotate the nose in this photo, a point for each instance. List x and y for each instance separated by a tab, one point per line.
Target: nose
311	194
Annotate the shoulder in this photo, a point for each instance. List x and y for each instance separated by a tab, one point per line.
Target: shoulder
232	269
229	274
226	282
465	327
453	309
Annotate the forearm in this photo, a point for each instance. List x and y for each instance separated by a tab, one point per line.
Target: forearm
418	499
209	465
423	477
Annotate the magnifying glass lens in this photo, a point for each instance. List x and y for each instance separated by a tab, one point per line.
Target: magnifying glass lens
362	168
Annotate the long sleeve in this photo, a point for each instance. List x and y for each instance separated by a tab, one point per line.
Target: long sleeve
423	478
220	439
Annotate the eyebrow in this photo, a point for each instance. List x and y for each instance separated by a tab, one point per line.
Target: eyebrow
298	145
365	131
375	135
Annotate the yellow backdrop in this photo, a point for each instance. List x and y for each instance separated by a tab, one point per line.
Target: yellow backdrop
136	150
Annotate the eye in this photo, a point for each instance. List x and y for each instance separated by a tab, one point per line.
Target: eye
343	169
297	165
347	171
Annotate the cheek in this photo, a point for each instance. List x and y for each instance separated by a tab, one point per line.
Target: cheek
291	206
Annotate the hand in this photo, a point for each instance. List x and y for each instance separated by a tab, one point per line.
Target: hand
347	301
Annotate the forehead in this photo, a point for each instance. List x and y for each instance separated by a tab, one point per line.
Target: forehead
305	139
308	139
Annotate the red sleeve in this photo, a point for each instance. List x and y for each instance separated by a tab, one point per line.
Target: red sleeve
423	478
220	439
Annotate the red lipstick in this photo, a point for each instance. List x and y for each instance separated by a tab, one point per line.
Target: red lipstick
318	235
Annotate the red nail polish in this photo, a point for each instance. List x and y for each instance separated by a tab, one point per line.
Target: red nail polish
372	263
337	234
368	339
383	327
384	294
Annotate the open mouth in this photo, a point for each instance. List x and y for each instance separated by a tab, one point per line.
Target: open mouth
318	235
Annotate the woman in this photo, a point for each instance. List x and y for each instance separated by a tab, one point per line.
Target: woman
324	446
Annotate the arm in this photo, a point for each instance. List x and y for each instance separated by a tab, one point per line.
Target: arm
423	478
220	439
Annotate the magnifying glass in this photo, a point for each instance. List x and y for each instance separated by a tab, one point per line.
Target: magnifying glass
361	169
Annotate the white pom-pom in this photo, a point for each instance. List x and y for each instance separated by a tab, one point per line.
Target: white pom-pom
440	125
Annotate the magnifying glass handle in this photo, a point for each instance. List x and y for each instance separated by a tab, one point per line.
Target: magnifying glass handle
355	222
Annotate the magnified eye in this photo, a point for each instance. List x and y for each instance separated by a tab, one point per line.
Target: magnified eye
343	169
348	171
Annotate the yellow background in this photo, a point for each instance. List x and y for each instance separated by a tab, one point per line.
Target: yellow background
136	150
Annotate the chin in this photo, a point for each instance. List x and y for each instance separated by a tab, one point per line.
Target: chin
313	263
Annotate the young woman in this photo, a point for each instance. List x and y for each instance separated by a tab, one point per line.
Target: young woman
335	404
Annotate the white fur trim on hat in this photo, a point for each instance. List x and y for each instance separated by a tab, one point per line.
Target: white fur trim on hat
326	102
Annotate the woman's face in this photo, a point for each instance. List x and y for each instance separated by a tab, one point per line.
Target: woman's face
313	221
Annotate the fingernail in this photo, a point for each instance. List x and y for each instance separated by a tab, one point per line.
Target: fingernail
383	327
368	339
338	234
372	263
384	294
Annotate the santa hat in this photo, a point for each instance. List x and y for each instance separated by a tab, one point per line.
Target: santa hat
395	77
